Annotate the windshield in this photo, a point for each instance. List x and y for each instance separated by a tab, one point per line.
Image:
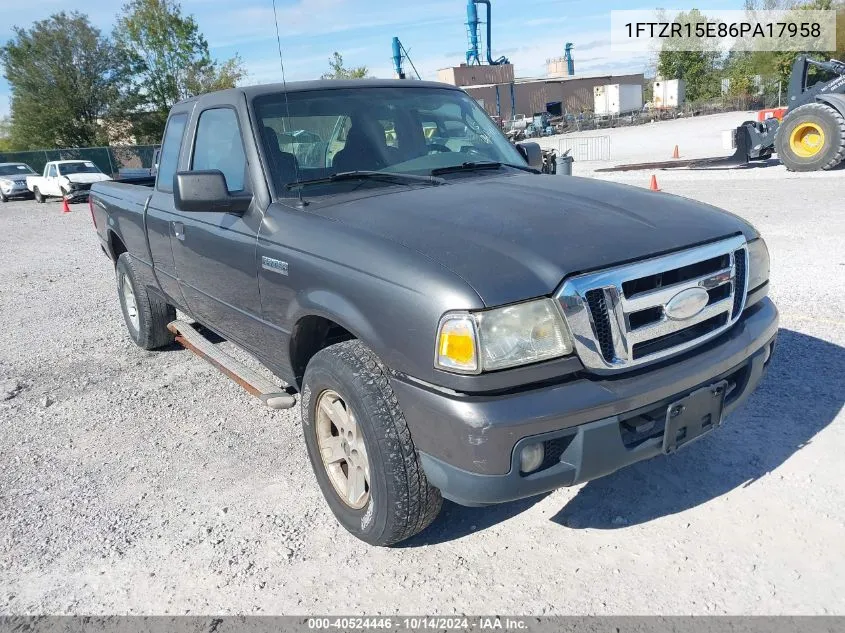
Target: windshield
85	167
18	169
407	130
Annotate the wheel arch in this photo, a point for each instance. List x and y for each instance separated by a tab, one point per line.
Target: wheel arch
116	246
322	318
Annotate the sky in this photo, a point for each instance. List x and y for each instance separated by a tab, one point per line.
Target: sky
433	31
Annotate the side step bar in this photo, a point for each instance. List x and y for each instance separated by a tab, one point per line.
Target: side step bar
269	393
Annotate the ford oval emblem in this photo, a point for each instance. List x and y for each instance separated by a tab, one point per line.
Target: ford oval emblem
686	304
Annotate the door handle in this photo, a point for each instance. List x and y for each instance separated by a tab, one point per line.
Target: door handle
178	231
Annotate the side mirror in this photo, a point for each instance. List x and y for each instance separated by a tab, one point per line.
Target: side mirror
532	153
206	191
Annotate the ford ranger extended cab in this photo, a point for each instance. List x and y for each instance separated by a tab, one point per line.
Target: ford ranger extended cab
454	324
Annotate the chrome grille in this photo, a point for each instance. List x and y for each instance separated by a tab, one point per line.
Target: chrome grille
618	316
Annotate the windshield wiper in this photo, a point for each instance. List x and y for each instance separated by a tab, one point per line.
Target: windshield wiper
403	179
472	166
468	166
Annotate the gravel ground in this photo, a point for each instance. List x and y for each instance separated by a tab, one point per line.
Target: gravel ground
145	482
697	137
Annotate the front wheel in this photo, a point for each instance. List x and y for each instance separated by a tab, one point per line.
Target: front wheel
39	198
361	449
3	197
811	138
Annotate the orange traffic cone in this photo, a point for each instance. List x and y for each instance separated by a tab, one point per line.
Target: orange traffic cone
65	207
653	186
676	153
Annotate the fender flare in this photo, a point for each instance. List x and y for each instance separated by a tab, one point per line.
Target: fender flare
835	101
328	304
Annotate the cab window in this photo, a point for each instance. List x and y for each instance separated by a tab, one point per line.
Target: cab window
51	171
219	146
170	147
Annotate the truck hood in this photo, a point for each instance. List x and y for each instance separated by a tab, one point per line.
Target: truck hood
87	178
514	237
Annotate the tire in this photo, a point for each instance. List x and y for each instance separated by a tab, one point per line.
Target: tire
37	195
398	502
147	320
3	197
825	129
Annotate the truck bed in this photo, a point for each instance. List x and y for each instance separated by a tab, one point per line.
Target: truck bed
121	205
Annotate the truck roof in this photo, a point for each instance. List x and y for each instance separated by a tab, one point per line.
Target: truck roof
250	92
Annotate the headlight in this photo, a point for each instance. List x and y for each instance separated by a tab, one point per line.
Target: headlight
758	263
524	333
6	184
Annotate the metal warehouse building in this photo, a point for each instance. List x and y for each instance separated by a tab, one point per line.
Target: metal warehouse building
496	89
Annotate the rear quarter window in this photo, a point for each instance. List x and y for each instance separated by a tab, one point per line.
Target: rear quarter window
170	148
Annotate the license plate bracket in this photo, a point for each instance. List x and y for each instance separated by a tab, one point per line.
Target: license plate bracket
694	416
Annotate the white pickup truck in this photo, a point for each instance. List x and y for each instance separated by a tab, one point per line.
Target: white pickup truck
70	179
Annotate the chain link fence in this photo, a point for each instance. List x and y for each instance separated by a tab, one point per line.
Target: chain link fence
590	121
110	160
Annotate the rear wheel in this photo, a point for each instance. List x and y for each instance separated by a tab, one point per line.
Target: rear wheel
146	315
37	195
811	138
361	449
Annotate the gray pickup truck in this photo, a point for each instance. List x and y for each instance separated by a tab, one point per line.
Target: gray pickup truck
454	323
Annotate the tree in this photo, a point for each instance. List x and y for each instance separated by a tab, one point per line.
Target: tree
775	66
337	70
5	135
66	78
170	59
698	67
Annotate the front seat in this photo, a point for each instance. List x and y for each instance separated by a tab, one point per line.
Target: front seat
233	164
283	165
362	151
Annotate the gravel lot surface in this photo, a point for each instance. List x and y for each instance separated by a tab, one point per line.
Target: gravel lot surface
146	482
699	137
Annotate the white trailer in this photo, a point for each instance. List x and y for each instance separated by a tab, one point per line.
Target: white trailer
669	93
617	98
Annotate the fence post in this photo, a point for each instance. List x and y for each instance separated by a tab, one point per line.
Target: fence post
111	165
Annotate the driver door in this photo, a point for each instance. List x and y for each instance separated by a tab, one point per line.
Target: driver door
214	252
51	182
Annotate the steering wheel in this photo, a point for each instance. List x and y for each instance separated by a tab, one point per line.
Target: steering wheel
436	148
472	150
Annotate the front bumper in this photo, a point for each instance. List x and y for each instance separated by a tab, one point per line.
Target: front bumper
18	191
78	195
469	445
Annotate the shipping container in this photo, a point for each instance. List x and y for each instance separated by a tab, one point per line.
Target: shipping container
617	98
